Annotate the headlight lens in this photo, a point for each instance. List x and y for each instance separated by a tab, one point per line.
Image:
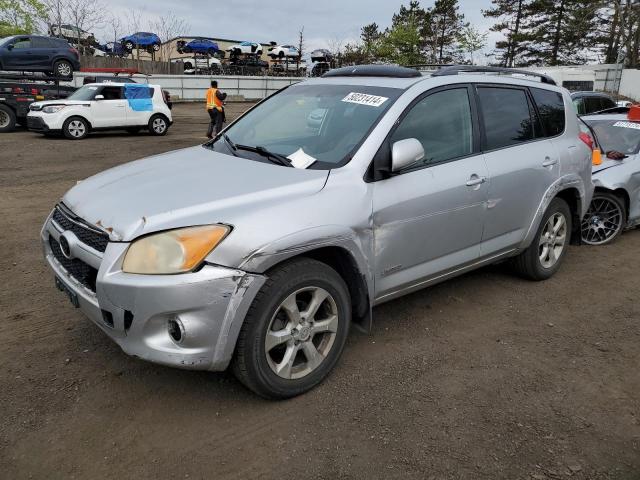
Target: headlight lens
174	251
53	108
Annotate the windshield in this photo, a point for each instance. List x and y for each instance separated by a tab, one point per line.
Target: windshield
617	135
84	93
6	40
319	125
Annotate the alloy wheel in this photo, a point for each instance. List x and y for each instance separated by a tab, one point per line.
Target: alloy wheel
603	221
64	69
301	333
553	240
159	125
76	128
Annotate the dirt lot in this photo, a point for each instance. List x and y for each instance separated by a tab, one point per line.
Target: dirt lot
485	376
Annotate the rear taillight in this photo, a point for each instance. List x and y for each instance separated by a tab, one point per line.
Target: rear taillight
17	90
74	51
35	91
586	138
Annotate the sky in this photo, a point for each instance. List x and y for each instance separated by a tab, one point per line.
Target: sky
324	21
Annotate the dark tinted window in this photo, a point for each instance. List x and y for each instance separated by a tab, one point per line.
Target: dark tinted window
551	109
592	104
506	116
442	123
607	103
41	42
112	93
22	43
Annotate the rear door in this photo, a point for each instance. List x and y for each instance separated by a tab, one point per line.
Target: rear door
428	218
109	112
42	51
522	164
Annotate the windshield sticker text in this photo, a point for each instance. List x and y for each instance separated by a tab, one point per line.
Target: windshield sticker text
364	99
627	125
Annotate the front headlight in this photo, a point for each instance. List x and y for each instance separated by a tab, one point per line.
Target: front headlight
53	108
174	251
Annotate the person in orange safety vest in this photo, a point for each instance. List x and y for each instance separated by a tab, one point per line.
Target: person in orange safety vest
215	108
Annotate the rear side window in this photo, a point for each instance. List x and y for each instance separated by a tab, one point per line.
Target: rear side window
442	124
551	109
506	116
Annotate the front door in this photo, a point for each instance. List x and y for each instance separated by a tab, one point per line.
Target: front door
428	219
18	54
110	111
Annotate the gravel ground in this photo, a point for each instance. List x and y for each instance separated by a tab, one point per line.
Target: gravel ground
484	376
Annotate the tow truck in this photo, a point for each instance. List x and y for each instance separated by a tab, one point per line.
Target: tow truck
18	91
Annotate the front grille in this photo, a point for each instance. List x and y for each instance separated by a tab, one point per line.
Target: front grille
83	273
96	240
36	123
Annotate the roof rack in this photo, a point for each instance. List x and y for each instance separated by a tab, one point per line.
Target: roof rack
458	69
374	71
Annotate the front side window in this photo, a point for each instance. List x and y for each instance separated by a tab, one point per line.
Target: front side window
506	116
112	93
441	122
22	43
551	109
324	122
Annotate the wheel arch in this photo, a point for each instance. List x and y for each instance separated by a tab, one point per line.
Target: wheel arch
574	200
77	115
341	253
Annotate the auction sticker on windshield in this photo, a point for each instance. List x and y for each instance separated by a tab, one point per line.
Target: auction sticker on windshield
627	125
365	99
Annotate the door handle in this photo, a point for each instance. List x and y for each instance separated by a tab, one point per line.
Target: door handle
549	162
475	180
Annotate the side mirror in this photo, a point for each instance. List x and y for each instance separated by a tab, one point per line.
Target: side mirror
406	152
10	47
99	97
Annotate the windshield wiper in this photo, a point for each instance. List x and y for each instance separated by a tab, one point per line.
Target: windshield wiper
229	142
274	157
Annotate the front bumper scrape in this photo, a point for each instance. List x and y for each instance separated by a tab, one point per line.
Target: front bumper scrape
135	310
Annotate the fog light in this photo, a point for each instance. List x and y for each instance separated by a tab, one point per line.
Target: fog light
176	330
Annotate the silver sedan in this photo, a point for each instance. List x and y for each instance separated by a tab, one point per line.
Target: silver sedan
616	200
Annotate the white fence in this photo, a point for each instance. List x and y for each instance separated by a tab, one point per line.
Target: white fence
194	87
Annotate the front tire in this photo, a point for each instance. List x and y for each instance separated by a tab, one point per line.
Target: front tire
75	128
294	331
158	125
605	220
155	47
545	254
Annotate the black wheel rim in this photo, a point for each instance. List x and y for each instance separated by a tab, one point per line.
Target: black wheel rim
602	222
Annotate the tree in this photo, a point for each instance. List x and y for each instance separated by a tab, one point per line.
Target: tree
301	47
168	27
471	40
560	32
370	36
510	15
446	23
401	45
20	16
84	15
56	12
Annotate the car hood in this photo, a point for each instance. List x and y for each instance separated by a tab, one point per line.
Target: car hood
60	102
194	186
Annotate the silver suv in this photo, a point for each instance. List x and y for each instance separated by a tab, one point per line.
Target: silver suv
260	248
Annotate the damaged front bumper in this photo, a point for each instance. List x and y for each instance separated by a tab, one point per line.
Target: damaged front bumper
144	314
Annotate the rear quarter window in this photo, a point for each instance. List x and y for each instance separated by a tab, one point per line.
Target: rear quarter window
551	110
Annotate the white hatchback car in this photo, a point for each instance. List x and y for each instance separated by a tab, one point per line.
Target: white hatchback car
98	106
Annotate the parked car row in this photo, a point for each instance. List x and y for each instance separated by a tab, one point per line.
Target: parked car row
267	272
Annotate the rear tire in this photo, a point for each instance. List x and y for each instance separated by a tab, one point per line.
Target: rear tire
63	68
7	119
287	345
547	250
75	128
158	125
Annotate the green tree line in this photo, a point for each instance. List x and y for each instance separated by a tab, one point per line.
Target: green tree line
534	32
